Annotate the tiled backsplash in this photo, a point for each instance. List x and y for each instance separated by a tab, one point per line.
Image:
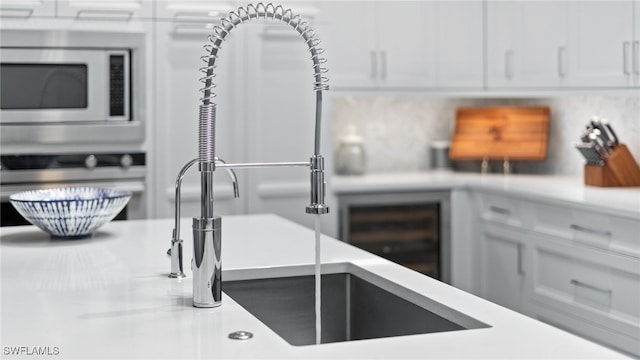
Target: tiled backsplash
397	131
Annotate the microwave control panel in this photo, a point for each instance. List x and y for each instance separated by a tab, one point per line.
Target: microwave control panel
117	85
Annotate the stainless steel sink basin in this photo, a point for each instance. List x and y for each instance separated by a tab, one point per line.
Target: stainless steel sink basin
356	305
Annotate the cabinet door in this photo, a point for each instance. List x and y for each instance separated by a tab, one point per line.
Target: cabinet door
527	43
503	271
193	10
280	120
346	29
106	10
601	43
178	51
636	44
406	42
458	50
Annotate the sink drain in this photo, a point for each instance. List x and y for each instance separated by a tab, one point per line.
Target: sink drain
240	335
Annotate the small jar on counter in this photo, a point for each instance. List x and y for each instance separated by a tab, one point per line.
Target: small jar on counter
350	155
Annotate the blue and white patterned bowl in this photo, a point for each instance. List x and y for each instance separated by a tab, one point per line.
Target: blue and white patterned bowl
70	213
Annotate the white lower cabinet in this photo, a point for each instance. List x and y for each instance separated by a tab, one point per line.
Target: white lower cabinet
502	267
590	285
573	268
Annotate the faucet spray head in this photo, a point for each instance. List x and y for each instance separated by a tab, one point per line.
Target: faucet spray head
318	187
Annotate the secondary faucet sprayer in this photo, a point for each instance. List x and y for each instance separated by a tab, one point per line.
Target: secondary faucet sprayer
207	264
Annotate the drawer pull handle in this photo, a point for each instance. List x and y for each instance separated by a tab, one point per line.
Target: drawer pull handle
590	231
124	15
590	287
499	210
16	13
520	264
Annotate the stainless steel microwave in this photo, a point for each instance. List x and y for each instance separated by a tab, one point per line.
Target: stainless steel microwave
72	86
53	85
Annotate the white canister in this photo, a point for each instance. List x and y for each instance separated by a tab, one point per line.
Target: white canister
350	155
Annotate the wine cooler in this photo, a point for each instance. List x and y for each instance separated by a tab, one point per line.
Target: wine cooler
411	229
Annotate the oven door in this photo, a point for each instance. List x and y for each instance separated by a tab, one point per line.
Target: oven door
59	85
135	209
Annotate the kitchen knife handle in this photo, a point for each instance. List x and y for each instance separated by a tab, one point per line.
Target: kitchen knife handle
636	57
590	231
374	64
383	65
561	61
508	64
589	286
625	57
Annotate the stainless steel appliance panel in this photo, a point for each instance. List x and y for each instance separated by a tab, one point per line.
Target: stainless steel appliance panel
60	85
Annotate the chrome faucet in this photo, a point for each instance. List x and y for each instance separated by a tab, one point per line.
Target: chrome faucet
175	251
207	229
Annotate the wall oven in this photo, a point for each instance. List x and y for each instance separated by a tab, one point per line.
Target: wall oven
61	87
72	112
123	171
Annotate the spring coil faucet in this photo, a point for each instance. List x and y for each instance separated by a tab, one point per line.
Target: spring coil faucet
207	229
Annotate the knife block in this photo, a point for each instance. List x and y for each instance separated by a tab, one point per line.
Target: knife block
619	170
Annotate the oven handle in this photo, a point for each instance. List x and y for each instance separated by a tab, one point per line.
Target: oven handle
135	187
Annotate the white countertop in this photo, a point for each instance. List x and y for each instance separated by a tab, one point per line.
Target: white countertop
109	297
617	201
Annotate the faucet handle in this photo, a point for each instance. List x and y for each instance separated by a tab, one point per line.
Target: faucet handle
234	178
318	187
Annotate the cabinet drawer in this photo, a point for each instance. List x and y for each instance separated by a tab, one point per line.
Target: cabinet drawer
122	10
589	284
612	233
500	209
586	329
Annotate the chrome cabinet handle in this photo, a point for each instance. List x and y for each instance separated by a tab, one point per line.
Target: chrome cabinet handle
22	13
374	65
590	231
636	56
124	15
589	286
520	264
508	64
561	61
499	210
383	64
625	57
191	29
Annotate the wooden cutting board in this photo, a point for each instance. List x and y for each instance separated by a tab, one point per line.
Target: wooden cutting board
496	133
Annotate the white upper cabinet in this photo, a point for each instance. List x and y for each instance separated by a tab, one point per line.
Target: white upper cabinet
23	9
122	10
345	29
458	51
527	43
636	43
602	43
193	10
403	44
556	44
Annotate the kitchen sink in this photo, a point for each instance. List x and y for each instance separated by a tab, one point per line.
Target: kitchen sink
356	305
